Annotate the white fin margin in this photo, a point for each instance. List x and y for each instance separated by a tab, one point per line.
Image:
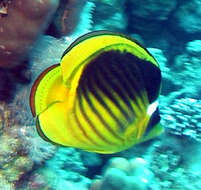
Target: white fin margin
152	108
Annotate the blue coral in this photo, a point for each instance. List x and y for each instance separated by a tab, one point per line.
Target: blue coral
183	118
66	169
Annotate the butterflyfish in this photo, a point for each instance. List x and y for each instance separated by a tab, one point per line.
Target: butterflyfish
101	97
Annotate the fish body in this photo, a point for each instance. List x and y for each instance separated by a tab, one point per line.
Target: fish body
102	97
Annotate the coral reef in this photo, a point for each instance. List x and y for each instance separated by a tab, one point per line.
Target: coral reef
5	117
46	52
173	166
4	184
13	161
184	66
22	152
65	169
123	174
183	118
15	39
162	25
36	182
36	148
163	164
52	50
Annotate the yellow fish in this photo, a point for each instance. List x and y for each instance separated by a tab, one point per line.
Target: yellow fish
101	98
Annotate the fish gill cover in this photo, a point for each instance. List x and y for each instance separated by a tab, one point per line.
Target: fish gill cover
33	37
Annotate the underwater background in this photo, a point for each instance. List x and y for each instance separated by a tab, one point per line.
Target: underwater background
33	36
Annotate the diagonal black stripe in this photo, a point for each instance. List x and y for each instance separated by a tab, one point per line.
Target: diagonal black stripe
79	123
91	85
100	82
93	126
113	82
73	129
121	81
103	87
126	74
87	118
125	66
117	75
136	80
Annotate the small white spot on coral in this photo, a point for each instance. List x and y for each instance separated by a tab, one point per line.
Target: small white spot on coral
67	38
23	131
41	1
141	161
144	180
2	47
192	100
